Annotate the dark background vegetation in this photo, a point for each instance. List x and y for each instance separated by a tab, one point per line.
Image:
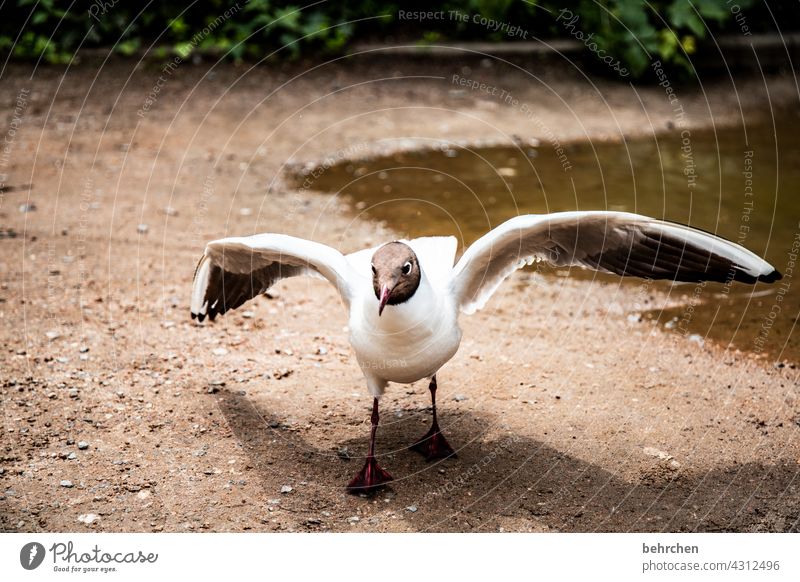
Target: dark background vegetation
673	31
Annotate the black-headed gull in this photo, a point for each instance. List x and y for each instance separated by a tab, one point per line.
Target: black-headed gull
404	297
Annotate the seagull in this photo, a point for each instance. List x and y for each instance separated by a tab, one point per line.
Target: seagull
404	297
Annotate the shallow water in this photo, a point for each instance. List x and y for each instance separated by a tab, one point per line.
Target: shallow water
742	185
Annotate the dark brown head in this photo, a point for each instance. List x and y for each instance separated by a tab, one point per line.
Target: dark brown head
395	274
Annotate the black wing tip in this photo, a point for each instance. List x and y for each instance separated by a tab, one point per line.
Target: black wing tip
775	275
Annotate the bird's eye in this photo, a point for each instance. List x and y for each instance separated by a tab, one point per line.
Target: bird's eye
407	268
374	270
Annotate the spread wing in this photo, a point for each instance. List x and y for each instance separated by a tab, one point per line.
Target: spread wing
234	270
615	242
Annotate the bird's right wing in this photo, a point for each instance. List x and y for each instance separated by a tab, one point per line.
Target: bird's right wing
615	242
234	270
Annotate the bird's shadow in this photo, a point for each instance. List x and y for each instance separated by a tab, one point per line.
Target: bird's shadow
513	482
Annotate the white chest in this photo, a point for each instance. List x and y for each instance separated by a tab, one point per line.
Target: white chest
409	341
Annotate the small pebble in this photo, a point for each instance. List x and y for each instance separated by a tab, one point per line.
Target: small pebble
219	351
27	208
412	508
88	518
83	445
281	373
72	456
354	519
654	452
73	392
697	339
286	489
142	229
459	397
66	483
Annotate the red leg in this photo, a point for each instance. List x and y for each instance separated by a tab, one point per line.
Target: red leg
372	475
433	444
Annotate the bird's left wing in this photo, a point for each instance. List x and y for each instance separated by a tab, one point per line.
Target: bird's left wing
234	270
615	242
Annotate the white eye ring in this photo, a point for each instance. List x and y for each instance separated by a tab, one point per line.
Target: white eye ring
407	268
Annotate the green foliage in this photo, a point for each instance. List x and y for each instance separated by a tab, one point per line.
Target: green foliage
635	32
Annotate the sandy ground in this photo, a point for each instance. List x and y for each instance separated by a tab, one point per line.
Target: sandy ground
120	414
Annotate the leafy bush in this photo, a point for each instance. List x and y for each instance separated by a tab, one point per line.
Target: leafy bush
634	31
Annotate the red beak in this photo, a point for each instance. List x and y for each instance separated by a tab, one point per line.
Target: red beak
385	291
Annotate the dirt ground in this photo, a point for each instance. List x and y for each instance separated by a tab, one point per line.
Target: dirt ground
119	413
